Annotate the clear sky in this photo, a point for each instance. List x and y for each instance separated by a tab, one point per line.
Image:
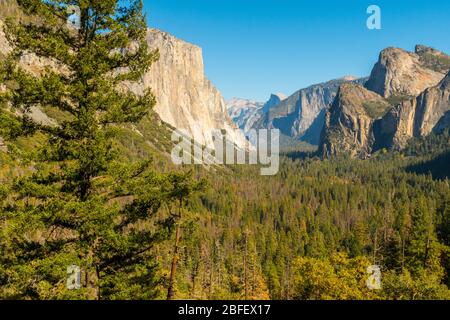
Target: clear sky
252	48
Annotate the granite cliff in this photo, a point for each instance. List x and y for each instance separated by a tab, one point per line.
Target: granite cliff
349	121
300	117
406	96
244	112
186	99
428	112
399	73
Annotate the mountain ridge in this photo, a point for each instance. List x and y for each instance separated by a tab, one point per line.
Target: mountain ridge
300	116
418	103
186	98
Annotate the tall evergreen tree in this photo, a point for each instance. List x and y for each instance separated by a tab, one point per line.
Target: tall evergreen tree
79	204
424	250
180	189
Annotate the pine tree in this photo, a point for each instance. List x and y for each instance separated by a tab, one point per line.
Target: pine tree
78	204
444	236
180	188
423	251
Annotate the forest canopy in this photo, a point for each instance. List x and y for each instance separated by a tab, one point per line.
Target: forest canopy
90	192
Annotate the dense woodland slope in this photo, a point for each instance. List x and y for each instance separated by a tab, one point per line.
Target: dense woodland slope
113	203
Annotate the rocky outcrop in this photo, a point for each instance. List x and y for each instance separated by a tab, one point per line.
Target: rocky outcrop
274	100
395	129
443	124
431	106
410	82
244	113
433	59
349	121
416	91
247	114
186	99
399	73
417	117
300	116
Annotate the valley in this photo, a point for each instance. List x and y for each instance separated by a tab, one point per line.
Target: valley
87	178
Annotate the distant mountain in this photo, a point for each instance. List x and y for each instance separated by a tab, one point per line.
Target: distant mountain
244	112
349	121
300	117
407	95
274	100
416	117
186	99
399	73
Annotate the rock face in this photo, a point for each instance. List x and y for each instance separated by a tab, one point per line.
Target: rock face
417	117
349	121
274	100
404	97
399	73
186	99
244	113
301	116
416	88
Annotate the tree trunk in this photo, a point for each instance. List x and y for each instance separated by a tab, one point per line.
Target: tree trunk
403	254
245	269
427	249
173	270
193	279
99	293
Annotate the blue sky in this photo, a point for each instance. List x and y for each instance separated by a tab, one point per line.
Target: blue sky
252	48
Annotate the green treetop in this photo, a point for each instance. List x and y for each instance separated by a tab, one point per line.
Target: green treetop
78	203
